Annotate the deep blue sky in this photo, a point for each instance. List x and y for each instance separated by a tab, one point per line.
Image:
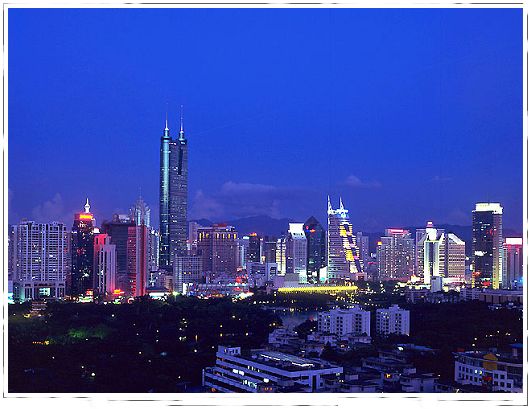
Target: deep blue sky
411	115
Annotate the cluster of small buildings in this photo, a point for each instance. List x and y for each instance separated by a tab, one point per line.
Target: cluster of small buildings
343	329
270	369
289	363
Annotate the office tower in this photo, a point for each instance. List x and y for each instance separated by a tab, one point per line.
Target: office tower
141	251
363	245
243	251
118	230
392	320
280	256
258	274
153	249
141	216
269	247
343	253
10	252
513	263
218	246
487	245
342	322
316	242
296	252
454	261
187	270
141	213
192	237
137	259
173	196
428	253
82	276
105	264
395	255
255	248
40	254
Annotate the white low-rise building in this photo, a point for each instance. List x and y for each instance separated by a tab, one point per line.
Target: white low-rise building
392	320
342	322
496	372
266	371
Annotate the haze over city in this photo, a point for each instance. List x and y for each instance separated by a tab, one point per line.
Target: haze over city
409	115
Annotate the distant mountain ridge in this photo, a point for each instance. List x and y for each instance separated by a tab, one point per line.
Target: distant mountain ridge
268	226
261	225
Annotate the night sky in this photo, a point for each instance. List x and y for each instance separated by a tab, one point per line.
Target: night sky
410	115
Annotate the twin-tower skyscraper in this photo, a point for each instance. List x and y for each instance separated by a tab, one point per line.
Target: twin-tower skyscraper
173	196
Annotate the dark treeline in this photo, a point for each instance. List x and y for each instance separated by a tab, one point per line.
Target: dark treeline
146	346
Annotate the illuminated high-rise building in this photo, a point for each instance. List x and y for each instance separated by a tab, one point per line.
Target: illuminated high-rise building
269	250
343	254
297	252
513	263
255	248
153	249
118	229
192	237
439	254
316	242
173	197
141	213
396	255
137	259
243	250
363	245
141	216
140	255
487	245
40	259
281	255
218	247
105	264
82	275
187	270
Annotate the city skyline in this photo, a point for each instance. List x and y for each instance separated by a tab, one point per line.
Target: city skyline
265	174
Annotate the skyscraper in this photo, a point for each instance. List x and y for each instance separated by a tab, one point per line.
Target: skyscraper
218	247
269	249
439	254
137	259
255	248
192	237
280	257
363	244
487	245
105	264
82	276
40	259
187	270
513	263
343	253
141	213
118	229
173	196
316	241
296	252
141	216
243	251
396	255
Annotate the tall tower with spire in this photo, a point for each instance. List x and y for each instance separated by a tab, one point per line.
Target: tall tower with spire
81	278
173	196
343	257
